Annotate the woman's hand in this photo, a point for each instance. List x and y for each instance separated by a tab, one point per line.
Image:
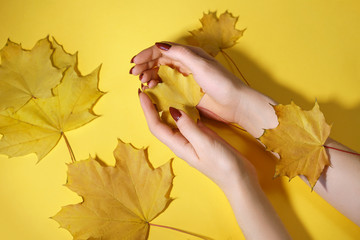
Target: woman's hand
225	94
200	147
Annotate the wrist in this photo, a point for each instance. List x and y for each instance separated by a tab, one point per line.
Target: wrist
255	112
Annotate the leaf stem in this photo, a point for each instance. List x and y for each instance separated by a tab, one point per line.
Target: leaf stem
340	150
232	61
73	159
182	231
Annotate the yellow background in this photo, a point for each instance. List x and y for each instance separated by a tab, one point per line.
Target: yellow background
292	50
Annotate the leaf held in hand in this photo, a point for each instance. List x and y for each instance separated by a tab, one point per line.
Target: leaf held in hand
120	201
26	74
299	140
176	91
216	33
38	125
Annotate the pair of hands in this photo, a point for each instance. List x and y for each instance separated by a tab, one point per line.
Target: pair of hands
225	96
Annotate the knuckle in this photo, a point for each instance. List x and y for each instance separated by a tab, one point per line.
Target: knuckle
183	50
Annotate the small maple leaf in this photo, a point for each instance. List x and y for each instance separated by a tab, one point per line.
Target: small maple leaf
41	122
216	33
26	74
120	201
299	140
176	91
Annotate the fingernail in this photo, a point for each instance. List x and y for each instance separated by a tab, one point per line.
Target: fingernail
132	60
163	46
131	70
141	76
175	114
139	91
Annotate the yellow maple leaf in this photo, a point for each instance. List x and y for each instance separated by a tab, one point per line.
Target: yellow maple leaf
176	91
41	122
63	60
118	202
299	140
216	33
26	74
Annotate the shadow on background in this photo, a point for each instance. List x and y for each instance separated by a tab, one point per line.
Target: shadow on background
345	129
345	120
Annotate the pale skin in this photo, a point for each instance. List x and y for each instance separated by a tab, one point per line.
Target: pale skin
228	97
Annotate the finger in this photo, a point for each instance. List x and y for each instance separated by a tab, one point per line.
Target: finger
139	68
144	87
174	64
190	61
197	50
180	54
173	139
149	54
151	74
191	131
208	131
153	83
155	55
217	137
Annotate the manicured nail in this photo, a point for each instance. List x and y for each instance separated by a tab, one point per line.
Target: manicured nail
131	70
163	46
141	76
176	114
132	60
139	91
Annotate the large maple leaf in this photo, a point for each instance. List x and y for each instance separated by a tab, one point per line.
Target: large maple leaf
41	122
26	74
118	202
176	91
216	33
299	140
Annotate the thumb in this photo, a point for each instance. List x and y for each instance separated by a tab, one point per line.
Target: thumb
190	57
190	130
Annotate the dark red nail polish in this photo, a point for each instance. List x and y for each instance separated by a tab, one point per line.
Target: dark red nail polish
132	60
131	70
139	91
141	76
163	46
175	114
